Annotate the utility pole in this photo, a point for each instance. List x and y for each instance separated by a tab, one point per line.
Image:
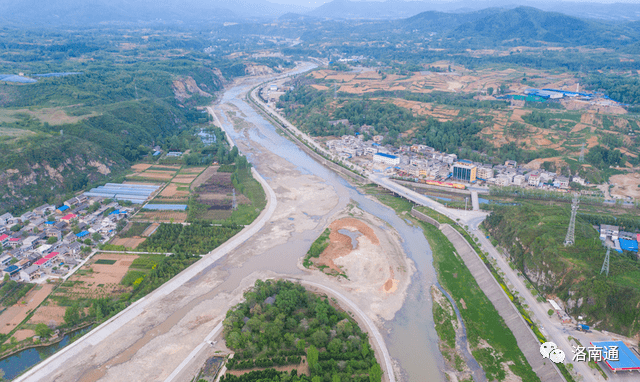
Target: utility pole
570	238
234	204
605	265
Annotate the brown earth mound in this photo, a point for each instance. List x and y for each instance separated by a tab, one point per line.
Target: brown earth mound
340	244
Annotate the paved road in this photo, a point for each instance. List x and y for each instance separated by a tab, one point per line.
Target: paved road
57	362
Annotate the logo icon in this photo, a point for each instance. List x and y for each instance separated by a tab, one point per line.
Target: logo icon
546	348
556	356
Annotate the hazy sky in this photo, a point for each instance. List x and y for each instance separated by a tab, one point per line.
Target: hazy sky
314	4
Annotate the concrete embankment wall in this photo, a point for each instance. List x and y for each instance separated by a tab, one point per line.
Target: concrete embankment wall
527	341
424	218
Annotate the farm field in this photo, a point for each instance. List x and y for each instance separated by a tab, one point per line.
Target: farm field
15	314
97	279
162	216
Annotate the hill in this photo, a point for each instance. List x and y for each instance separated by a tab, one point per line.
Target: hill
140	12
432	21
531	25
533	235
390	9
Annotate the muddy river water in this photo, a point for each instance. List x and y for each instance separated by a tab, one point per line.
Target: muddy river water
410	336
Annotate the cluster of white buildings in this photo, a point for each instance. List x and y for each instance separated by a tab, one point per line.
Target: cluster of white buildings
424	162
29	252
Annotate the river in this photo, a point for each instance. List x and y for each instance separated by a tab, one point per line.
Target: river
16	364
410	336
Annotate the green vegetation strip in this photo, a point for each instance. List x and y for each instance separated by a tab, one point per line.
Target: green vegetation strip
318	246
480	317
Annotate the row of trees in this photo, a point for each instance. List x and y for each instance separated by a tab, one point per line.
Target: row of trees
196	238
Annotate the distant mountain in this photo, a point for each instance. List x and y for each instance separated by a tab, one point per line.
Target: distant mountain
395	9
92	12
531	24
390	9
433	21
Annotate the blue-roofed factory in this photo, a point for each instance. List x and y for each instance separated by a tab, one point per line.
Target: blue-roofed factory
135	193
626	359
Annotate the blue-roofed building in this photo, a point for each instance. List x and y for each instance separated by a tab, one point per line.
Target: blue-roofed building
82	234
629	245
63	208
115	212
627	360
11	270
386	158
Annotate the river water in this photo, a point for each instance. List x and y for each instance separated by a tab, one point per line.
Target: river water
16	364
411	337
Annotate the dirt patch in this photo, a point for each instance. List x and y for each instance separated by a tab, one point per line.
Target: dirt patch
626	185
340	244
184	179
151	229
51	314
162	216
191	170
22	335
206	174
99	280
140	167
129	242
303	368
15	314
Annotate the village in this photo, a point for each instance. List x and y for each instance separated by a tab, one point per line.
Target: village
424	164
51	242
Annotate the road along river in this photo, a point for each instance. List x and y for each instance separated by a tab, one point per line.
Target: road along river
153	338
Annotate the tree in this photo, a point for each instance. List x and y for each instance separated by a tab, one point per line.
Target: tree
43	331
72	315
96	236
312	356
375	373
490	90
52	240
335	378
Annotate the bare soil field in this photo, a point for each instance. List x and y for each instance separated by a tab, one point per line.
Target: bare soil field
206	174
15	314
626	185
51	314
22	335
140	167
162	216
129	242
151	229
303	368
100	280
184	179
192	170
